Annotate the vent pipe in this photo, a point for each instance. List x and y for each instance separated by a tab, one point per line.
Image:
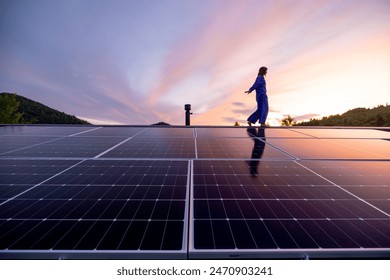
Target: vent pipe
187	108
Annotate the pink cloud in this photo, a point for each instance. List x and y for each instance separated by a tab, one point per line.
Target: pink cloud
304	47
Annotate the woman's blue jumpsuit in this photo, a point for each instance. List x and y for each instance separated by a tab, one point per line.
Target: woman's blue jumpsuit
262	101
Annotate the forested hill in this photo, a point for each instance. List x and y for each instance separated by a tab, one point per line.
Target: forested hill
19	109
378	116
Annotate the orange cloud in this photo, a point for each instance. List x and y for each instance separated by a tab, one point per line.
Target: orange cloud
313	51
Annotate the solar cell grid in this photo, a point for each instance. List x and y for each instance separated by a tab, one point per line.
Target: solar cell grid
280	204
69	147
193	192
15	172
76	203
139	147
167	132
346	133
249	147
205	132
112	132
353	149
44	130
16	143
370	178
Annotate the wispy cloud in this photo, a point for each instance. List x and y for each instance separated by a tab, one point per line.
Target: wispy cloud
305	117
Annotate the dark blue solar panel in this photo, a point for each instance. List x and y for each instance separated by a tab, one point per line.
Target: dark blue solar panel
351	149
69	147
284	205
142	203
112	131
139	147
45	130
167	132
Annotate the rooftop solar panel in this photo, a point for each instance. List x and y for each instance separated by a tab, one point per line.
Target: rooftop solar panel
345	133
68	147
334	148
84	205
279	209
193	192
204	132
16	143
167	132
139	147
237	148
45	130
112	131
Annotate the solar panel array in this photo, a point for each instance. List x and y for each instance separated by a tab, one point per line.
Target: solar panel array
194	192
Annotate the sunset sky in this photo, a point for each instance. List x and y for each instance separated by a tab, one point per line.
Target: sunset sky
139	62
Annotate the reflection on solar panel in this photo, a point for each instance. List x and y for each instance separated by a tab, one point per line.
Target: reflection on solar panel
193	192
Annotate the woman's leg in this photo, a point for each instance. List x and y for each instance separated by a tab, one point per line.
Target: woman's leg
255	115
263	111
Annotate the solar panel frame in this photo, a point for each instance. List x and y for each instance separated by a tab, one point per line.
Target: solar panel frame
284	251
37	211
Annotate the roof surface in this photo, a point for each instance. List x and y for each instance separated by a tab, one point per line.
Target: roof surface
194	192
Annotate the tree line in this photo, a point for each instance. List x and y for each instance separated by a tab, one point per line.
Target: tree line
16	109
378	116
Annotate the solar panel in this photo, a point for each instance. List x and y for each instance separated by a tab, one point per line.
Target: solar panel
206	132
193	192
140	203
364	133
282	209
44	130
352	149
138	147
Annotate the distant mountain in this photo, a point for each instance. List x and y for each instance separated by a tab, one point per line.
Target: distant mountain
34	112
378	116
161	123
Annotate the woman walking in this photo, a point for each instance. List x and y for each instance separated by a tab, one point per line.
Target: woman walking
261	98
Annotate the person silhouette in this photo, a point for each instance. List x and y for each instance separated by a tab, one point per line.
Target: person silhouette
258	148
261	98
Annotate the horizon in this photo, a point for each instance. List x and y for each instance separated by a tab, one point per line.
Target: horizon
162	123
134	63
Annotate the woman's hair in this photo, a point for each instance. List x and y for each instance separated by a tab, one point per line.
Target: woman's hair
262	70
